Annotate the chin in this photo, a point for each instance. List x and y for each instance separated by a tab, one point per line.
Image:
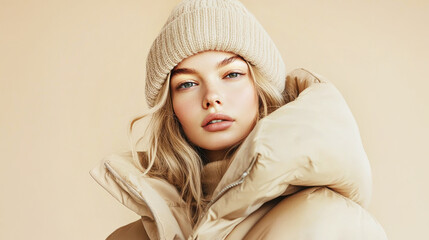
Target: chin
220	145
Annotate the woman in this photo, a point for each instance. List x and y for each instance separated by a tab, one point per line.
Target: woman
239	150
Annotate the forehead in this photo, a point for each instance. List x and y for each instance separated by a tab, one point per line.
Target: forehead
206	58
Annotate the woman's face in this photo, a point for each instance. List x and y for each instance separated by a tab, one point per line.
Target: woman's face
214	99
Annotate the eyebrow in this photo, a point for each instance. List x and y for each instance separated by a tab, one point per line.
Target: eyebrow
176	71
222	63
227	61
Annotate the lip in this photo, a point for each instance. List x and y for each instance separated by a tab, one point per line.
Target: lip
219	126
215	116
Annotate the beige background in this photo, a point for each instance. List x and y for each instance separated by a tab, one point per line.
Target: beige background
72	76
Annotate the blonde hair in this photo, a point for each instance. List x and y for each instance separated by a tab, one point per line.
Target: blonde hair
172	158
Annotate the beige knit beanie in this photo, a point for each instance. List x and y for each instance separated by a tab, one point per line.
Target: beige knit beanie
199	25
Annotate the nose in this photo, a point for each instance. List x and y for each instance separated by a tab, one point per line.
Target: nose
212	98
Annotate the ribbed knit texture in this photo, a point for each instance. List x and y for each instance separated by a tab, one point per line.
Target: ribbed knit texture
211	175
199	25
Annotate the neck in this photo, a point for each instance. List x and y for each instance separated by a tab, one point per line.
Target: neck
215	155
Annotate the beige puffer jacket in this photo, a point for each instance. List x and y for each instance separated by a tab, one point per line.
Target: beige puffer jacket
302	173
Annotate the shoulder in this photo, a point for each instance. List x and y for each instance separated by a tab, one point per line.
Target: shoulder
132	231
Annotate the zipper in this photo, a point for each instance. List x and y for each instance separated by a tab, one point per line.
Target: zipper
231	185
194	235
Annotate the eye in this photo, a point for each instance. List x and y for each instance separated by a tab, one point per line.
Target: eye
186	85
234	75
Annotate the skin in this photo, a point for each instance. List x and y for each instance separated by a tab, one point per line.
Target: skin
214	82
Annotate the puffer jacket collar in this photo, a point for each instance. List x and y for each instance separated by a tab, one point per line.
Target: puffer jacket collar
148	197
311	141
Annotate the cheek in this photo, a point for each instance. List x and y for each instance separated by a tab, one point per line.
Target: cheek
245	99
183	111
